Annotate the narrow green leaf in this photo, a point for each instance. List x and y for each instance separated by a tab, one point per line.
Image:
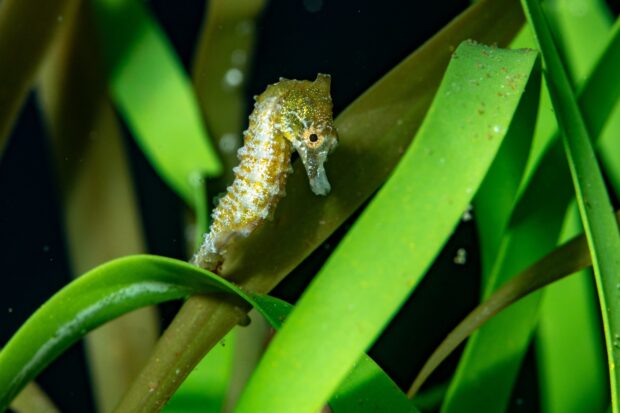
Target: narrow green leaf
492	357
498	192
569	309
592	198
100	295
359	289
366	389
154	95
128	283
569	314
579	32
561	262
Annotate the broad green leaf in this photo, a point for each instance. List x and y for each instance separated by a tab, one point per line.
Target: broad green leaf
366	388
391	110
154	95
492	357
393	243
592	197
27	30
569	314
128	283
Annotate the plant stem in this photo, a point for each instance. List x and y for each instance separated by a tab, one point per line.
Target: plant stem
197	327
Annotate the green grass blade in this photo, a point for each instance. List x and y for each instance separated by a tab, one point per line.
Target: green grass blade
132	282
578	30
569	309
100	295
592	198
569	314
366	388
492	357
565	260
360	288
498	193
154	95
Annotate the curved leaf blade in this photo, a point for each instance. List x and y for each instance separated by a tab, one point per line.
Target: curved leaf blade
100	295
128	283
592	197
569	309
366	389
563	261
357	291
154	95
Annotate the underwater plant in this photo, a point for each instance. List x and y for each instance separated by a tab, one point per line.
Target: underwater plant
469	182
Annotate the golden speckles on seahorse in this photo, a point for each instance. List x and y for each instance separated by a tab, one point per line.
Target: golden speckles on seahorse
291	115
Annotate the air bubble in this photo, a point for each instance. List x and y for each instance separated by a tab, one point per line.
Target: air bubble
461	256
467	214
233	77
229	143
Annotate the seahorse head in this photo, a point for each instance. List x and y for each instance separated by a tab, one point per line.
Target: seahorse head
307	122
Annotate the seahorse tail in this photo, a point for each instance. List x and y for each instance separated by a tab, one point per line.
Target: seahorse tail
207	256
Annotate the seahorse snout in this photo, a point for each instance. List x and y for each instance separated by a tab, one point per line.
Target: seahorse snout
314	157
319	183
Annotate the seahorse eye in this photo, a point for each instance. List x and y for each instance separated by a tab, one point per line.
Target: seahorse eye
313	137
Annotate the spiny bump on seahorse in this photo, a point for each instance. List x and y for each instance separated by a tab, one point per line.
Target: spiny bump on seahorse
291	115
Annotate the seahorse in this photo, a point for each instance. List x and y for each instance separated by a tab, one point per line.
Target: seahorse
291	115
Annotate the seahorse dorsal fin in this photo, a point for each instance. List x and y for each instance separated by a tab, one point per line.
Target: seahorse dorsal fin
323	80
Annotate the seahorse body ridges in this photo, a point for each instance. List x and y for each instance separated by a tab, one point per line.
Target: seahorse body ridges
291	115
